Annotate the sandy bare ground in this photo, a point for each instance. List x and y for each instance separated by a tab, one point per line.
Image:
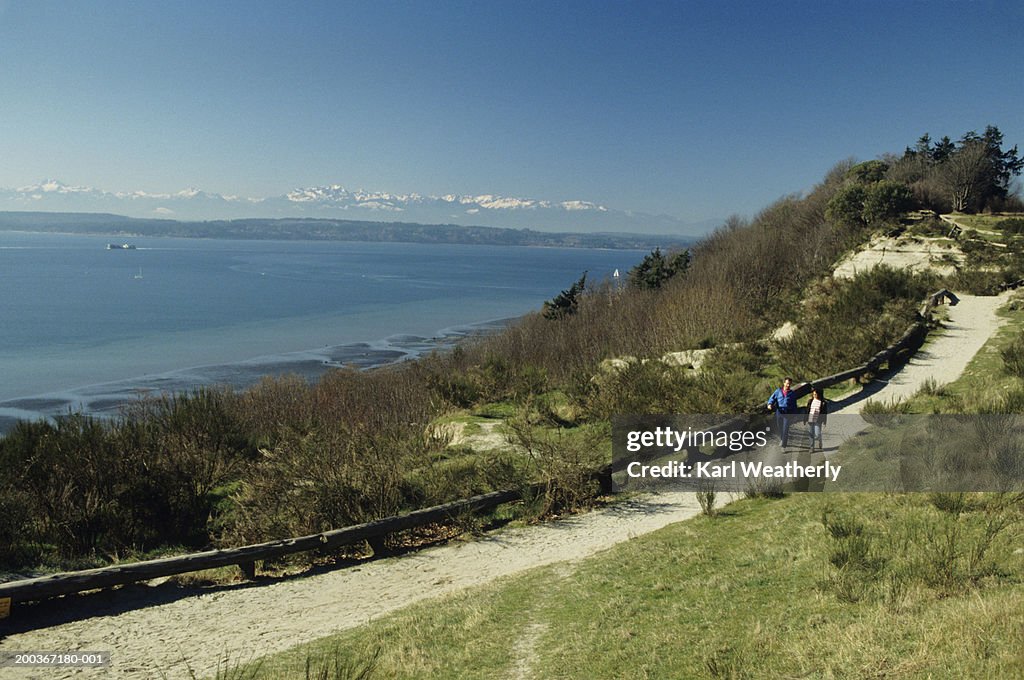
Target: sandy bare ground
174	632
917	254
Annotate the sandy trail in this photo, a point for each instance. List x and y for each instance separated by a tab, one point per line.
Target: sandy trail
947	353
148	637
171	632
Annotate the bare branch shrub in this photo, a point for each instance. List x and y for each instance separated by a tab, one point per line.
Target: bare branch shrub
564	461
323	480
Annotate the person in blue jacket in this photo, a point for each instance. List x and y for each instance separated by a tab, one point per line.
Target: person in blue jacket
783	404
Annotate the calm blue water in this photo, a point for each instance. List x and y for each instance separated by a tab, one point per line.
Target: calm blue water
85	328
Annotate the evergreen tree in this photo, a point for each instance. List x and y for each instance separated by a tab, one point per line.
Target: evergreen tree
972	174
566	302
943	149
655	269
1003	166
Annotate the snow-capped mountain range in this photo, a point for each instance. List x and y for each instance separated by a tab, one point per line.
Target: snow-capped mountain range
335	201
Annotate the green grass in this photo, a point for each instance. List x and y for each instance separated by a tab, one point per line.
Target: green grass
481	413
490	411
982	221
755	592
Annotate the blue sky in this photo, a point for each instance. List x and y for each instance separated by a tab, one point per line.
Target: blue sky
692	109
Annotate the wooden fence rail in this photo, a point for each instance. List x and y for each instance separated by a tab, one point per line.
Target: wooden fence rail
911	339
247	556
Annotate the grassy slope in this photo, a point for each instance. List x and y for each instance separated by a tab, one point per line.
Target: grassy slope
982	221
750	593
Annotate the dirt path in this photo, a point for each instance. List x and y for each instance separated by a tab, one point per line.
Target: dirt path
947	353
148	635
154	631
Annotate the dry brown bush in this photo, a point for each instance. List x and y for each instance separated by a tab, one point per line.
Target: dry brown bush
318	481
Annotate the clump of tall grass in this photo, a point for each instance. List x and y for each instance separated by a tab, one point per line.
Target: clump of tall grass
1013	357
764	487
336	666
731	661
931	388
706	498
853	548
945	543
333	664
884	408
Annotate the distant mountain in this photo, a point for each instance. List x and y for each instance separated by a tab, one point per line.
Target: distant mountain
335	202
55	196
304	228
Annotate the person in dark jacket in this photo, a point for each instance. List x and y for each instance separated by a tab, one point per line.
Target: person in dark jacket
817	415
783	404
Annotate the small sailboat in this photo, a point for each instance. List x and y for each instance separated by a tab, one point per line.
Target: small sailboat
139	275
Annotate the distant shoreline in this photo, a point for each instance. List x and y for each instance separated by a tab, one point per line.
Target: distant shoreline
122	238
322	229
